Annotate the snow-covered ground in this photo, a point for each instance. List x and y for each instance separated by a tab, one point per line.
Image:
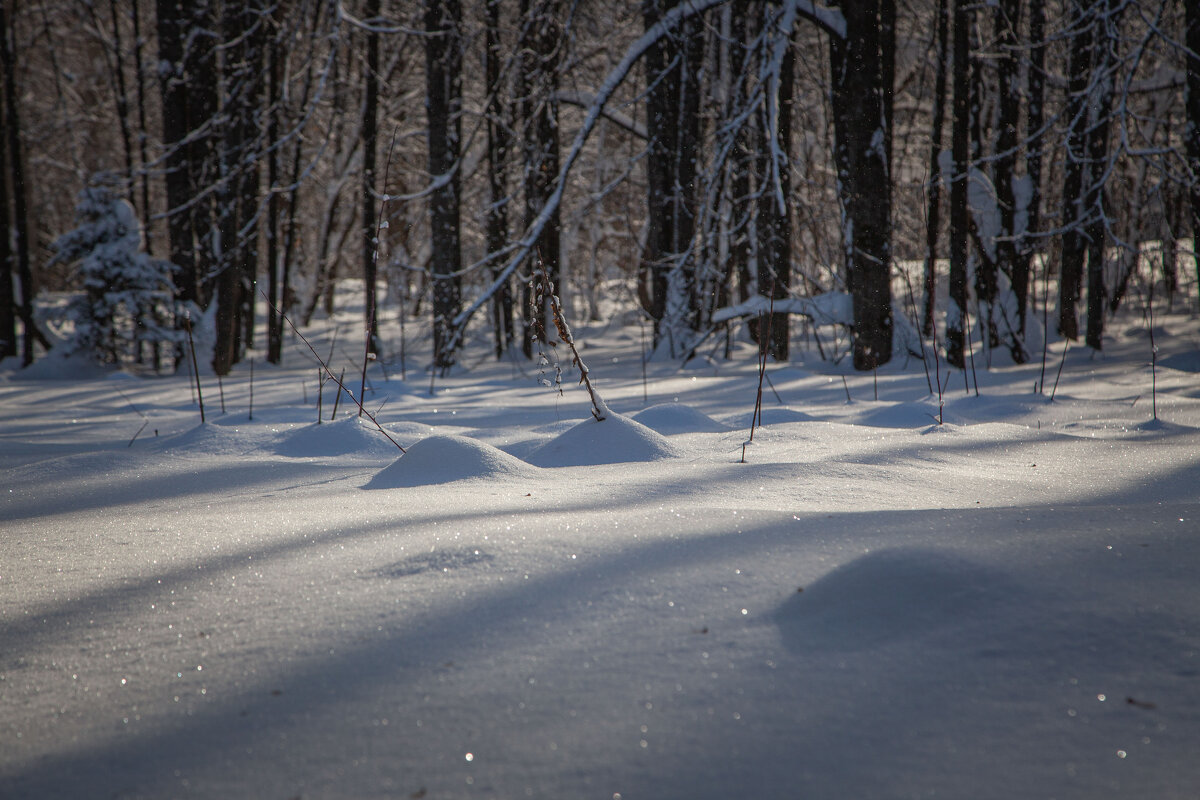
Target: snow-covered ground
531	603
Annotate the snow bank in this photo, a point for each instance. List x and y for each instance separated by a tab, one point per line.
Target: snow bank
442	459
616	439
671	418
350	435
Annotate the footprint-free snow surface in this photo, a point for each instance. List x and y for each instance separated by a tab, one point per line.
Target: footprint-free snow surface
872	605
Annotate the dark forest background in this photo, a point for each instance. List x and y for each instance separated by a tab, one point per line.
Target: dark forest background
713	167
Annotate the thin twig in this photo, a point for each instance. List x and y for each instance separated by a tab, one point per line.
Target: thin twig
195	366
1061	364
599	409
328	372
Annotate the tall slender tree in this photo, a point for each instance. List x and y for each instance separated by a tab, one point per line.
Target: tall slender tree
672	115
370	145
1192	90
956	342
540	52
1074	245
15	169
188	91
933	215
860	115
443	106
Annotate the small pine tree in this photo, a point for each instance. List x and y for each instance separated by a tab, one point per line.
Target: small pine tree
128	296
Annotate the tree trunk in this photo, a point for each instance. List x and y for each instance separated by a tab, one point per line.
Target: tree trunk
539	73
959	211
16	177
499	143
1193	128
860	115
1074	244
370	128
1032	197
189	101
933	216
443	105
672	121
274	156
1104	61
8	316
1007	17
243	28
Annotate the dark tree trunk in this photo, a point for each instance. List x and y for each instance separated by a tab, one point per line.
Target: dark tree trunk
1035	119
1074	244
16	178
933	217
1193	129
274	113
189	102
143	134
370	128
673	123
959	211
243	28
1007	16
443	105
539	74
499	143
741	163
8	316
860	114
1104	61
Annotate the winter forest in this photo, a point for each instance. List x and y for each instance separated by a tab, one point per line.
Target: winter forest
681	159
583	399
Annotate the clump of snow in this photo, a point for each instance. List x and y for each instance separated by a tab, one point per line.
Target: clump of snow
671	418
446	458
350	435
614	440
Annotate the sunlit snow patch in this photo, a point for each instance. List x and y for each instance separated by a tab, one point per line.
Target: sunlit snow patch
350	435
442	459
614	440
890	595
669	418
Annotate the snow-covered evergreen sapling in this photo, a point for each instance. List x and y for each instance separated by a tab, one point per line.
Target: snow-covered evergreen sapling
128	296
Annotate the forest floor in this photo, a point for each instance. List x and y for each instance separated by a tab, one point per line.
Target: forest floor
530	603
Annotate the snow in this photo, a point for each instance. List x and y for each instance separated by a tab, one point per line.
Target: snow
530	602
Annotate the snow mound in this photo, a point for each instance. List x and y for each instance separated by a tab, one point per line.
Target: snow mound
614	440
446	458
771	416
349	435
669	418
57	366
210	439
900	415
890	596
